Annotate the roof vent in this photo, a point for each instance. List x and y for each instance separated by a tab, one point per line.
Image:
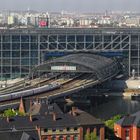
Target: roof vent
25	136
34	119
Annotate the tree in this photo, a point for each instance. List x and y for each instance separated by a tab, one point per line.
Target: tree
110	127
93	136
9	113
12	113
110	123
87	136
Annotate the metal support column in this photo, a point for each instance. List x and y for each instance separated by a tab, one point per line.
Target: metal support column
138	55
11	74
39	51
20	57
1	60
129	55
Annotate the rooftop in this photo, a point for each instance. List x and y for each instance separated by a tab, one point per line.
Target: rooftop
105	30
48	116
129	120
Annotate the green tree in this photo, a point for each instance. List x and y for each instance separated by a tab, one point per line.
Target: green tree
110	123
87	136
9	113
110	127
12	113
93	136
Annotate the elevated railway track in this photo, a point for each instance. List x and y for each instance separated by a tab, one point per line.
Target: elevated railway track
28	84
81	71
75	85
68	86
65	84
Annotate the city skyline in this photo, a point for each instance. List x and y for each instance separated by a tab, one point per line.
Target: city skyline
73	5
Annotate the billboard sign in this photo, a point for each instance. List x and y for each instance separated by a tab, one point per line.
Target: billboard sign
43	23
64	68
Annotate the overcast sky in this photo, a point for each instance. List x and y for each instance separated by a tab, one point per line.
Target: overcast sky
71	5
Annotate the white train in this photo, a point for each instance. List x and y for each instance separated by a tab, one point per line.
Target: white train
31	92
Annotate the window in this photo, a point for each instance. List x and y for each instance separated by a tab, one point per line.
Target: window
6	46
15	53
71	38
61	138
68	129
127	135
44	38
45	130
80	38
25	61
53	138
52	38
6	38
75	137
25	38
62	38
25	46
34	46
53	129
68	138
89	38
15	62
6	53
16	38
34	61
107	38
25	54
98	38
75	129
34	54
34	38
60	129
15	46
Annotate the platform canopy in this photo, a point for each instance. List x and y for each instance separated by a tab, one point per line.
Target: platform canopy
79	63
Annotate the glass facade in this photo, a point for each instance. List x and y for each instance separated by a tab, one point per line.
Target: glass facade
18	53
21	49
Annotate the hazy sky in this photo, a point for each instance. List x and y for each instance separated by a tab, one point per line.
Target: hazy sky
71	5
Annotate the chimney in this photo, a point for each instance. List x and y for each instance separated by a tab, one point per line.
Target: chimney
21	106
30	117
70	112
7	119
38	131
74	111
30	103
54	116
73	108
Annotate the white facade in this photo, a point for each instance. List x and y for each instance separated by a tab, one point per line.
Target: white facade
11	20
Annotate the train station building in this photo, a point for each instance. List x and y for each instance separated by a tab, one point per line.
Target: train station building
22	49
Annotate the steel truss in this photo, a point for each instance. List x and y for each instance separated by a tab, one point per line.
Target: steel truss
20	49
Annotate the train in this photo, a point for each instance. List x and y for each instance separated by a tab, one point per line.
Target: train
31	92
